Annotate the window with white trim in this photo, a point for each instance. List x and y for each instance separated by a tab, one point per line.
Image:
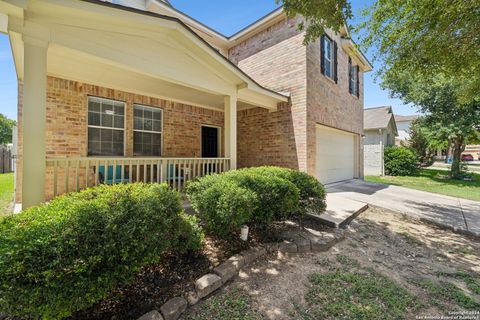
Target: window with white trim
106	127
147	131
328	57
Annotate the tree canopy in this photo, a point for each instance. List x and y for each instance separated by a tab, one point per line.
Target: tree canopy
6	127
447	117
427	37
421	36
319	15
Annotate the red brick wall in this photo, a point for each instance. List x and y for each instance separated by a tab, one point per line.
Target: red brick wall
266	138
276	59
66	130
330	103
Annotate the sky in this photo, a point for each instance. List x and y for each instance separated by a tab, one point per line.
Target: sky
226	17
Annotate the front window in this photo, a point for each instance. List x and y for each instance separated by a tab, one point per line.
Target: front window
147	131
106	127
328	56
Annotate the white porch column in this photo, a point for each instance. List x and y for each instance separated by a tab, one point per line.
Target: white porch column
231	130
34	122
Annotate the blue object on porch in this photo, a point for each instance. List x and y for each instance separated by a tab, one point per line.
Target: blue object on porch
172	173
108	179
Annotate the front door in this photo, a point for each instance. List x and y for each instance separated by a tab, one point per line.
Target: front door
209	142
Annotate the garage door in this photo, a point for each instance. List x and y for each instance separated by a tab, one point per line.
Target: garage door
335	159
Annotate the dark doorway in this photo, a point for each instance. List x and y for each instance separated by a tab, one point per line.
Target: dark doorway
209	142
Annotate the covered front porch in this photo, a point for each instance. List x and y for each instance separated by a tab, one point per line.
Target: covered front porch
107	95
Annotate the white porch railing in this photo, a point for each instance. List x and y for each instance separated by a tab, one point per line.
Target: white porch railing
73	174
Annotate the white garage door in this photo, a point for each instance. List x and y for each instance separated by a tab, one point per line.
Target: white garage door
335	159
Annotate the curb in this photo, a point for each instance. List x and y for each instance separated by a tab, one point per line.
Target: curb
211	282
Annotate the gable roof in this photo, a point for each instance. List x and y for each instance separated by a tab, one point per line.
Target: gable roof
281	96
399	118
378	118
216	37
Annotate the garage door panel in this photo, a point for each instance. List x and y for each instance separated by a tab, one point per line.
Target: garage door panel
335	154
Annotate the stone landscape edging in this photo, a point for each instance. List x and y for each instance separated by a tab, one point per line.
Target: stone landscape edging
211	282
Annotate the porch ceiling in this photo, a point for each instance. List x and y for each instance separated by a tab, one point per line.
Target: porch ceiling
150	55
71	64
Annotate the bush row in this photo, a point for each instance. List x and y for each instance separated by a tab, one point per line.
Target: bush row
66	255
256	195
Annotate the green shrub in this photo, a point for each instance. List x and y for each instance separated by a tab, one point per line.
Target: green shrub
224	205
66	255
400	161
277	198
312	192
254	195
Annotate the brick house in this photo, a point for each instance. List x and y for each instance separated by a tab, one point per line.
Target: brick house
136	90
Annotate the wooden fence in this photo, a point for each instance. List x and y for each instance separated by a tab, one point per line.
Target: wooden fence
6	160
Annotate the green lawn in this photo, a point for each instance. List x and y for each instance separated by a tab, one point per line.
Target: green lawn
6	192
429	180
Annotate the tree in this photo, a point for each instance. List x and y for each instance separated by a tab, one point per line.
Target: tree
6	127
422	36
427	37
319	15
448	118
426	141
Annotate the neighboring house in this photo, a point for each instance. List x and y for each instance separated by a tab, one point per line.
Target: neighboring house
380	130
379	126
474	150
138	91
403	125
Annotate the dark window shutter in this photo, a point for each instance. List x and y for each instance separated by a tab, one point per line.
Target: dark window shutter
335	62
350	75
357	70
322	55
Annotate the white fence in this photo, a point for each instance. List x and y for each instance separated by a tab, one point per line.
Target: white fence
72	174
373	160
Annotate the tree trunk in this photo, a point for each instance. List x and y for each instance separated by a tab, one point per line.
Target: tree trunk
457	154
447	154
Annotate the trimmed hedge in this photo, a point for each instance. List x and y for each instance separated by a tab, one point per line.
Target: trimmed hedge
225	206
254	195
67	255
312	192
400	161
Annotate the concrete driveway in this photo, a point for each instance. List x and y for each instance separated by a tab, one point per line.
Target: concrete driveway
459	214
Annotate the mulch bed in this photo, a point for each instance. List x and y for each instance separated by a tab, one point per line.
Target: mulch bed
176	274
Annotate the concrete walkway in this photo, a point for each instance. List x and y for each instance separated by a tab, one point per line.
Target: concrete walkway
458	214
340	211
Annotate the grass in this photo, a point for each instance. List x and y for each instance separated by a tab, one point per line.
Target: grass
472	281
429	180
444	293
6	192
235	304
346	294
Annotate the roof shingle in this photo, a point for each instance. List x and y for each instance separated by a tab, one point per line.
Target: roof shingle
377	118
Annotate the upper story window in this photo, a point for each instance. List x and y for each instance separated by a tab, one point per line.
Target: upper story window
328	50
353	79
106	127
147	131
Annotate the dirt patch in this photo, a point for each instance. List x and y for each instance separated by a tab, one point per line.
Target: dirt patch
419	258
176	274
